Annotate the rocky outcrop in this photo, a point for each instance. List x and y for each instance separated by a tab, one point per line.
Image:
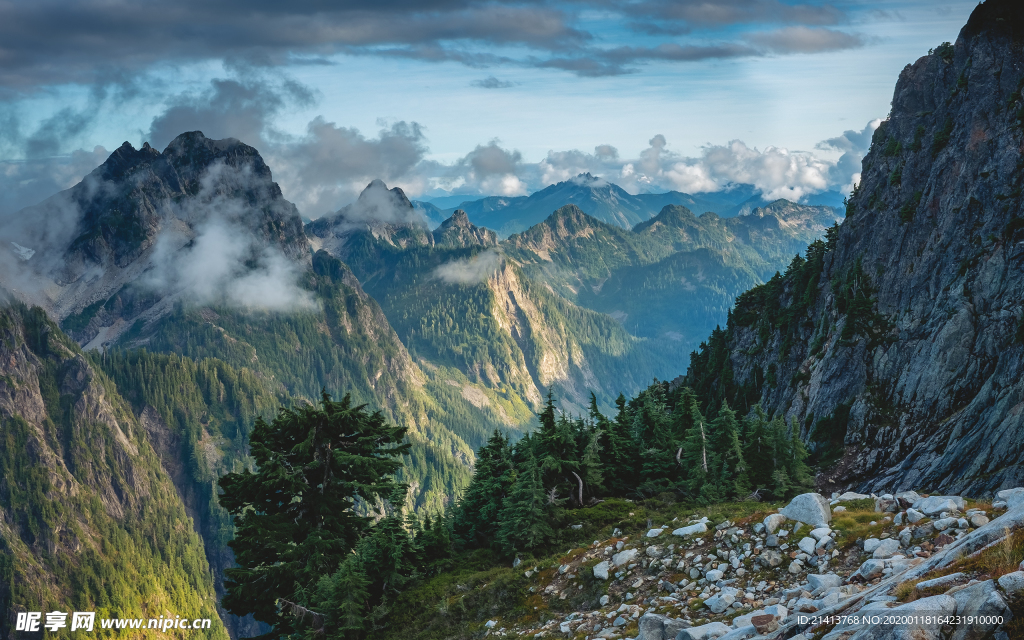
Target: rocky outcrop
900	342
458	232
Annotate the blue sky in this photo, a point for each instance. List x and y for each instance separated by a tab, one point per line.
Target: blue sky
464	96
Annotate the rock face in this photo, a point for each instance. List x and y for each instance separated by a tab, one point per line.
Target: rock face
910	351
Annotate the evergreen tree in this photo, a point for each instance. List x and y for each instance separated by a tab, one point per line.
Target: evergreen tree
758	449
526	516
476	516
296	517
618	449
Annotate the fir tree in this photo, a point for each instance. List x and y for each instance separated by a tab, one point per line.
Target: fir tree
476	516
526	516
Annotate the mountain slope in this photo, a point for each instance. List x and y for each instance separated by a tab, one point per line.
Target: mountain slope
90	520
898	344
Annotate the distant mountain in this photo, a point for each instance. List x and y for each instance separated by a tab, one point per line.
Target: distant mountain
447	202
604	201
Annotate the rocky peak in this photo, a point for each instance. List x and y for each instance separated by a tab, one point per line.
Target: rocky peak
458	231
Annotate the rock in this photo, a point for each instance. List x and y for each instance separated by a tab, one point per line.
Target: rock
871	569
795	567
978	520
983	602
935	505
740	633
871	544
710	631
808	508
887	549
719	603
601	570
772	557
943	539
1012	497
944	523
620	622
777	610
839	509
490	624
605	599
654	533
923	531
819	533
773	522
714	575
758	527
939	582
850	495
998	504
918	616
771	541
913	515
1012	583
564	627
807	545
806	605
765	623
623	557
909	496
658	627
820	583
693	529
655	551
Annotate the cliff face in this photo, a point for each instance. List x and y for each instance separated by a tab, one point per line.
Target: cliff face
900	342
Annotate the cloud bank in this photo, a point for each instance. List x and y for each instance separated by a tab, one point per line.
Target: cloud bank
470	270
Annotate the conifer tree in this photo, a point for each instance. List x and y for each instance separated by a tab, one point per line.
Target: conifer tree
758	450
525	518
476	516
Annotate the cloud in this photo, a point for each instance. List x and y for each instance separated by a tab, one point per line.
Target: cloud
854	145
490	82
470	270
377	203
801	39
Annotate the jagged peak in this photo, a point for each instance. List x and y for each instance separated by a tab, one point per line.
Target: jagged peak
458	219
1004	18
671	215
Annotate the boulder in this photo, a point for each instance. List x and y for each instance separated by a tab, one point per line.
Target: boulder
1012	497
820	583
624	557
795	567
808	508
719	603
939	582
764	624
1012	583
913	515
691	530
773	522
887	549
922	610
850	495
819	533
714	575
870	570
601	570
655	551
741	633
654	533
944	523
658	627
871	544
807	545
771	558
710	631
935	505
909	496
978	520
983	602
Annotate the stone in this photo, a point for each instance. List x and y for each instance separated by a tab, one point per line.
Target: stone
773	522
820	583
771	541
795	567
620	622
605	599
710	631
653	626
918	615
808	508
655	551
870	570
839	509
807	545
714	575
691	530
871	544
935	505
939	582
772	557
913	515
850	495
819	533
983	602
887	549
1012	497
740	633
923	531
979	520
909	496
758	527
564	627
943	539
654	533
490	624
765	623
624	557
601	570
1012	583
944	523
719	603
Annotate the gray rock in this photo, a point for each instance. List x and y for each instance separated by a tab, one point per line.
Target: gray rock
771	541
819	533
1011	497
655	551
710	631
944	523
919	609
850	495
601	570
935	505
654	626
820	583
714	575
913	515
654	533
795	567
719	603
772	557
939	582
624	557
981	600
807	545
871	569
605	599
871	544
1012	583
691	530
740	633
773	522
887	549
909	496
808	508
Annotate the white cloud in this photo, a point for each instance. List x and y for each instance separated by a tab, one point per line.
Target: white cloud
470	270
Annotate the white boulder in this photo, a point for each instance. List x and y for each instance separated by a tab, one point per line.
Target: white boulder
808	508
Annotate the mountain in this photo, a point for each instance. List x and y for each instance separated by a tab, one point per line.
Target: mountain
91	519
672	278
898	342
459	305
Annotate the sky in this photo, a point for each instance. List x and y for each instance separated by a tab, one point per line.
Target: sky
460	96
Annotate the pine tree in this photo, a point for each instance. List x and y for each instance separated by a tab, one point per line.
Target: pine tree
799	472
475	519
758	450
526	516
